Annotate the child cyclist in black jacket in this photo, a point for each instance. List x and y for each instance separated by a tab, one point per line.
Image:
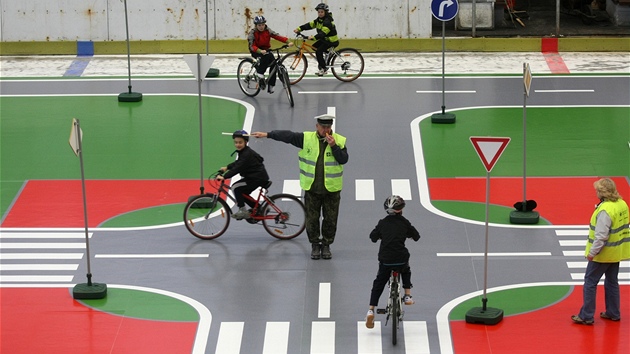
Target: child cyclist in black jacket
393	230
253	173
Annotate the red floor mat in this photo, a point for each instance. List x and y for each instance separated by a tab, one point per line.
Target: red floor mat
60	203
561	201
51	321
548	331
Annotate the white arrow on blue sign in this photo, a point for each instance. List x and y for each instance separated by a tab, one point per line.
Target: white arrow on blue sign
444	10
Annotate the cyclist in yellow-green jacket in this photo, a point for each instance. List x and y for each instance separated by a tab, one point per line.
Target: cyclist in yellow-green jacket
326	36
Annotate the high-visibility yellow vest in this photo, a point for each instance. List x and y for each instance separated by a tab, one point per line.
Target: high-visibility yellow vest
333	170
617	248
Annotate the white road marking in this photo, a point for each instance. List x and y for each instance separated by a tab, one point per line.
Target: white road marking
402	187
455	91
323	337
326	92
416	337
230	338
324	301
564	91
12	245
570	243
201	255
276	338
51	235
573	253
369	340
41	255
364	189
580	276
495	254
572	232
4	267
292	186
36	278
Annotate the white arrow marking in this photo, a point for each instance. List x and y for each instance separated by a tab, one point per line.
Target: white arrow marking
444	4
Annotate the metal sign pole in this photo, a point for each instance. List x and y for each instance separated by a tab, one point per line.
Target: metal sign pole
444	10
129	96
524	140
85	214
525	214
484	300
199	79
89	290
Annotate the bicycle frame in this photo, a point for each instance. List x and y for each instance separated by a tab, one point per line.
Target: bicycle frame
305	47
223	189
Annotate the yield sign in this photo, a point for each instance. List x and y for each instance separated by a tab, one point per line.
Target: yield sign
205	62
489	149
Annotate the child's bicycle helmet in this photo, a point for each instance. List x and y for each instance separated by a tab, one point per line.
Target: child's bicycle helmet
393	203
321	6
241	134
259	20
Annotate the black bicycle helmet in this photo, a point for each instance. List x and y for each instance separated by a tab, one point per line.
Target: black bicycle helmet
392	203
241	134
321	6
259	19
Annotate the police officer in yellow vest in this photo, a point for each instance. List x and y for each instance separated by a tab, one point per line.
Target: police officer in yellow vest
608	244
322	156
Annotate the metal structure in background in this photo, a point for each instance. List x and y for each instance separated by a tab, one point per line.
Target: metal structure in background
129	96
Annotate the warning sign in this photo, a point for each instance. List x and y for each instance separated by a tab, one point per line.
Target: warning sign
489	149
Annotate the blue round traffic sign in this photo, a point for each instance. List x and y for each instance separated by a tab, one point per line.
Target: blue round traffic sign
444	10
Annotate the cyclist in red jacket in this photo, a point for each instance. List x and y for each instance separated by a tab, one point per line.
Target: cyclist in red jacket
259	39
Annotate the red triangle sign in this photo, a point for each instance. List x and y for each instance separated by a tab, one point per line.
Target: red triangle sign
489	149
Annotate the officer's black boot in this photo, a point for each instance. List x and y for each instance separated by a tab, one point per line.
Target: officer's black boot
326	252
316	251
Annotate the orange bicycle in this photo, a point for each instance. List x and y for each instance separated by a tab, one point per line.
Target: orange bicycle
346	64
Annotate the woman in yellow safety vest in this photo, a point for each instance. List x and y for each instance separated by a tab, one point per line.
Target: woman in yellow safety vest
608	244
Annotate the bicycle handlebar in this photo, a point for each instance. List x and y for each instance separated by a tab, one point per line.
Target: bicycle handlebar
215	174
300	35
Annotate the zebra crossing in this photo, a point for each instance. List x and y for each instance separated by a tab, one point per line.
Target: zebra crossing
573	242
323	330
363	188
30	257
369	341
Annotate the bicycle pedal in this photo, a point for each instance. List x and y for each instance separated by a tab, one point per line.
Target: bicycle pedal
381	311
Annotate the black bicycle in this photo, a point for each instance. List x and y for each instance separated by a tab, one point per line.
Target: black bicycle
394	305
248	79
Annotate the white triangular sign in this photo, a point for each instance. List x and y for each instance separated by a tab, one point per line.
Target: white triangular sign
489	149
205	62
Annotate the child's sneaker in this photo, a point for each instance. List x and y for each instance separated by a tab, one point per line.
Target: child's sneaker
369	319
408	300
261	80
241	214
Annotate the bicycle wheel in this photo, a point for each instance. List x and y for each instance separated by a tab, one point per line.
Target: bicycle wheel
247	79
289	216
296	65
348	65
206	216
395	312
284	77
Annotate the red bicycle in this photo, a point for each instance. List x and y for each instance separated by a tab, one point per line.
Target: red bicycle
207	216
